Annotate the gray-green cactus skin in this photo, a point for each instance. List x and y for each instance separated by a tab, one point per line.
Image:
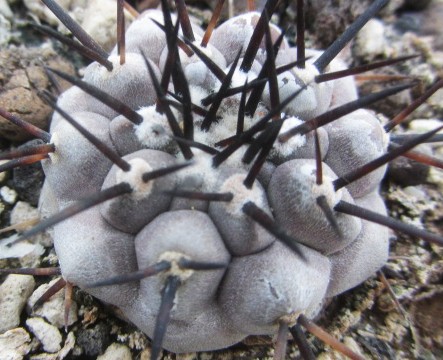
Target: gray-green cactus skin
265	281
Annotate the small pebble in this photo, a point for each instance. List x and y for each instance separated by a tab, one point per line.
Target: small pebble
25	217
5	30
48	334
14	293
424	125
353	345
96	17
3	174
69	345
53	309
28	254
22	212
9	195
371	41
59	355
145	354
416	4
14	344
116	351
407	172
416	193
5	10
95	340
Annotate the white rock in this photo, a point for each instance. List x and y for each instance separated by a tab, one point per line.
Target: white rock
99	22
44	356
425	125
23	212
69	345
14	292
416	193
29	254
3	174
14	344
59	355
25	216
9	195
11	355
371	39
37	8
353	345
5	30
145	354
96	17
48	334
116	351
53	309
5	10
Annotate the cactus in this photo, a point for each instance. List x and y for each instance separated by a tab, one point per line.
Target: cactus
213	186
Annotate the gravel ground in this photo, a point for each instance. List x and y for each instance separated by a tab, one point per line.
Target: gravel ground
365	318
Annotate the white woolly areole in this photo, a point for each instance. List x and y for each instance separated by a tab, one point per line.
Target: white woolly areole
239	77
290	147
235	160
326	188
134	177
307	74
197	94
154	131
242	195
225	128
227	124
202	168
173	257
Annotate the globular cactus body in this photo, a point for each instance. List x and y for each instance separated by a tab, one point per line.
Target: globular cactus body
265	282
